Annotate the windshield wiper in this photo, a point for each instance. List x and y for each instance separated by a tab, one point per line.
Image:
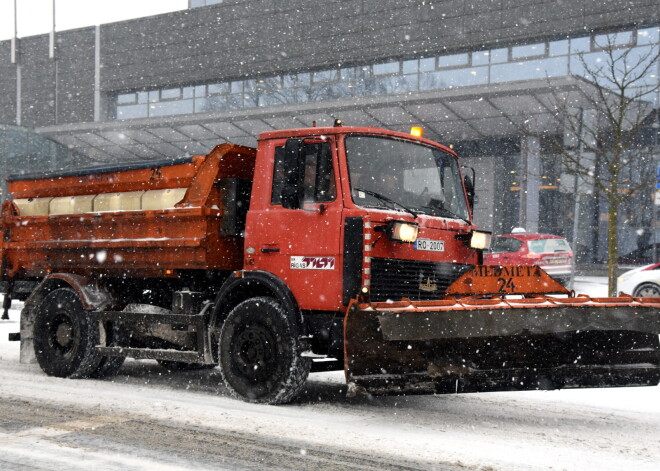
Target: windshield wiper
385	199
439	209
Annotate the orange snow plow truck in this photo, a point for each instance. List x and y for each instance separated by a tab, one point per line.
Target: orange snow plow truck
323	248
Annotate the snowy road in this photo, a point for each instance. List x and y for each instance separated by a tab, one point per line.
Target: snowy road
47	436
147	418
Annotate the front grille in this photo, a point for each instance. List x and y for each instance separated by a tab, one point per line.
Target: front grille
395	279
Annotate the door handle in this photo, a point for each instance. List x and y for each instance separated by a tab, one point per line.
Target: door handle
269	249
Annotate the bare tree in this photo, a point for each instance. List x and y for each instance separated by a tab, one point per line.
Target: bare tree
603	145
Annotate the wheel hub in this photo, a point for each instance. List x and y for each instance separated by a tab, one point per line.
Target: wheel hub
63	335
255	351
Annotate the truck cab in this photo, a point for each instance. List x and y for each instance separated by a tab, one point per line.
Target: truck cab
343	211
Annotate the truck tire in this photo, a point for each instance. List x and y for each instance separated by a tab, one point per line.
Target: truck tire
65	337
109	366
260	353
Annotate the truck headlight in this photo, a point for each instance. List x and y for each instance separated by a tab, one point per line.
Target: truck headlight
402	231
480	240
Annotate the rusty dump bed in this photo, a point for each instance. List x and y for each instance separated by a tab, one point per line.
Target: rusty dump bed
141	220
472	341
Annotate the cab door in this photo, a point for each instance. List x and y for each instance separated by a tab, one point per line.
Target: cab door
301	245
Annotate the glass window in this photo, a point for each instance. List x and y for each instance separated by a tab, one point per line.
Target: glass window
427	64
304	79
272	97
648	36
203	3
548	246
289	81
480	58
411	66
453	60
497	56
529	50
168	108
200	91
218	88
154	96
127	99
559	48
324	76
170	94
505	245
250	100
212	103
132	111
187	92
347	74
272	83
318	179
143	97
603	41
389	68
580	45
236	86
523	70
408	83
454	78
396	174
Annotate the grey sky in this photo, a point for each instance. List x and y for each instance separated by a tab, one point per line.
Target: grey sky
35	16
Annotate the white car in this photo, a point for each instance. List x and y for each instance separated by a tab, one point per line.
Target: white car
643	281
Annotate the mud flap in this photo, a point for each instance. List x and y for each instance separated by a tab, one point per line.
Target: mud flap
470	344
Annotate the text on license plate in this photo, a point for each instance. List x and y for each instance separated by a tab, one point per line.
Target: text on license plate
557	261
430	245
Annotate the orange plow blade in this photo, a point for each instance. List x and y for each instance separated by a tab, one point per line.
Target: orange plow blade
478	343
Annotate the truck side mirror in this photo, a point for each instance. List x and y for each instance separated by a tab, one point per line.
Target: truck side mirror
294	167
469	189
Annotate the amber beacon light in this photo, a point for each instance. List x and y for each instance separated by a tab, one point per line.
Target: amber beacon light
417	131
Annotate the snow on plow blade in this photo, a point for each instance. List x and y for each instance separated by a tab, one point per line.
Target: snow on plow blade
475	343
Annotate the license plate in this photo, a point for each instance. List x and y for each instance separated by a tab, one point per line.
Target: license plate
558	261
430	245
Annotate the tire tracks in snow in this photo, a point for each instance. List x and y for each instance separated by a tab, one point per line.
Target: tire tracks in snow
37	436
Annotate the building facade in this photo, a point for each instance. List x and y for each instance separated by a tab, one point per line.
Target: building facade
471	72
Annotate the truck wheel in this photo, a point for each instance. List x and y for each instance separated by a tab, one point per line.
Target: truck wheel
647	290
260	353
65	337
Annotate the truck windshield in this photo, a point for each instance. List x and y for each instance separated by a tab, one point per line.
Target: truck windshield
404	176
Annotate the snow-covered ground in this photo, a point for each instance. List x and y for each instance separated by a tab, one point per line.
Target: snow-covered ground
588	429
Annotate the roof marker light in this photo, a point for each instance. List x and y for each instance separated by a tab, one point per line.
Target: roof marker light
417	131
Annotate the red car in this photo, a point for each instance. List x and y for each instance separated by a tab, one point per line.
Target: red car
550	252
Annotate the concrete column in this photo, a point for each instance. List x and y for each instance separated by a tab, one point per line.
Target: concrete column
530	173
97	73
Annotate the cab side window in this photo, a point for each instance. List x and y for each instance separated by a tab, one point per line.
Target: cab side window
319	176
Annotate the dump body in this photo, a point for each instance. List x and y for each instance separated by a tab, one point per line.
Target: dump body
139	221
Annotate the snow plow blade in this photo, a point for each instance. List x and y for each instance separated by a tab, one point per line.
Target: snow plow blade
480	343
